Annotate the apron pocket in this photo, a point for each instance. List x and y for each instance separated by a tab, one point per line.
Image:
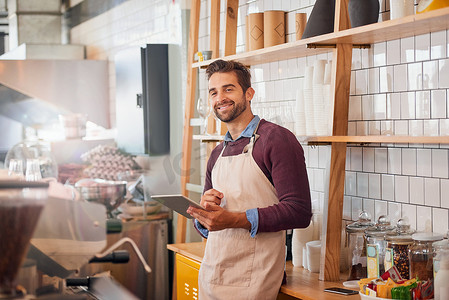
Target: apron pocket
233	256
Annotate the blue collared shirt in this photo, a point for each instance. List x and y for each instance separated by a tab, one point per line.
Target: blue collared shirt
251	214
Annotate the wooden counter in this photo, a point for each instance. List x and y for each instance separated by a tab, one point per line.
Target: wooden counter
301	284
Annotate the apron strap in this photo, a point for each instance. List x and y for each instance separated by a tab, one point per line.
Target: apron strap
252	141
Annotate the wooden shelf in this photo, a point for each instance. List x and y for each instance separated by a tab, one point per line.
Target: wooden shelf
301	283
432	21
386	139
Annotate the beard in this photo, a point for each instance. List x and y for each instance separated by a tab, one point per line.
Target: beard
234	113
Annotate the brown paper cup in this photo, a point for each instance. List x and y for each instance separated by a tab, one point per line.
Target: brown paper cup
255	31
274	27
301	21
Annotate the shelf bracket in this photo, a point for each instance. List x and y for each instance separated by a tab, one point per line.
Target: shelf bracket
358	46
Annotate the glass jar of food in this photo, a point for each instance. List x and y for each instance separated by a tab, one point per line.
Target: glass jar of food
396	251
421	255
375	246
355	237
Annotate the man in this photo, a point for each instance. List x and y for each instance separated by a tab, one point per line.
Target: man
256	187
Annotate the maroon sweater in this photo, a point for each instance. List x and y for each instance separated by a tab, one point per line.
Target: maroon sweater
279	155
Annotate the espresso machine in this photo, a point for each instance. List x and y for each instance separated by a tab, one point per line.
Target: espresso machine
46	241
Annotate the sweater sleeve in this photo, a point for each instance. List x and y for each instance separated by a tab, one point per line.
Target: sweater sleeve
283	157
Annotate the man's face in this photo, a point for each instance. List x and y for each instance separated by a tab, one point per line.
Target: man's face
226	96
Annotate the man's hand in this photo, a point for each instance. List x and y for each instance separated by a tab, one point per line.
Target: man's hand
214	217
211	197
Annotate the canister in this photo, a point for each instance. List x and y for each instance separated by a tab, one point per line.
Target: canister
421	255
355	236
375	246
396	252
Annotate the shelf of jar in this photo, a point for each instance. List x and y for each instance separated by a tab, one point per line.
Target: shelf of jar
378	139
412	25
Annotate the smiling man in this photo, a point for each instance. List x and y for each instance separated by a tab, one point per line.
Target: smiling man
256	187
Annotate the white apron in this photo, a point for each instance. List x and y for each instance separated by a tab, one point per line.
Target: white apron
235	265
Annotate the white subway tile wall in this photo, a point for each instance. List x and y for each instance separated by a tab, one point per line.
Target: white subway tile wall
398	87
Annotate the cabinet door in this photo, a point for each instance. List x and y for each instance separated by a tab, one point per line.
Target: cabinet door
186	277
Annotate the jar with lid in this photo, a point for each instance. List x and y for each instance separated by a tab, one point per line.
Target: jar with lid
421	255
375	246
355	237
396	251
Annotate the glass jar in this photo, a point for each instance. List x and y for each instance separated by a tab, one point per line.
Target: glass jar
34	148
355	236
375	246
396	251
421	255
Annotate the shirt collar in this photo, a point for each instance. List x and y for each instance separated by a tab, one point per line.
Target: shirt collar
247	132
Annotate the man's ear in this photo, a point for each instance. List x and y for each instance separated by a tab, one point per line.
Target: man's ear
249	94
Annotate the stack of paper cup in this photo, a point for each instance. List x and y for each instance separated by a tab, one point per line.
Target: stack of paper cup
300	116
299	239
328	97
313	256
319	115
308	101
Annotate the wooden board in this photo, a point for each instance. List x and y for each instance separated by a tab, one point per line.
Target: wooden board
333	211
181	228
232	7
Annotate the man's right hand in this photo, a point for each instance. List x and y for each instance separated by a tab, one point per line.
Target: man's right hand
211	197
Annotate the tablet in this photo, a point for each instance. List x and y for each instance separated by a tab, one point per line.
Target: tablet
178	203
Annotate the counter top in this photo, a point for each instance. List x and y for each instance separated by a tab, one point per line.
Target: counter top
301	283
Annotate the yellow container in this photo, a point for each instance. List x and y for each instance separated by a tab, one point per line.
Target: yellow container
186	277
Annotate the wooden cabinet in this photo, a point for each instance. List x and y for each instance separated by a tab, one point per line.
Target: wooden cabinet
340	43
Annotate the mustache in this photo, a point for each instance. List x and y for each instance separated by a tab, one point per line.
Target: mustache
223	102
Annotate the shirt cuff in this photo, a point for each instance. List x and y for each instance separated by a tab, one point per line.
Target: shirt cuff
253	217
204	232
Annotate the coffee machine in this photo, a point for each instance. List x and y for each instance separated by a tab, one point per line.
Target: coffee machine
45	242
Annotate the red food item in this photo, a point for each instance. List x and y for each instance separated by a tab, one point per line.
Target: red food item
392	273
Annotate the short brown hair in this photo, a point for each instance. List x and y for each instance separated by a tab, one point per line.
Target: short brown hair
225	66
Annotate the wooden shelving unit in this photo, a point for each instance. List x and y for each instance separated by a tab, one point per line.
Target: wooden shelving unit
340	43
432	21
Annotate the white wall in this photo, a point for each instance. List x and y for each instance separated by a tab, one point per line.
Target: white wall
398	87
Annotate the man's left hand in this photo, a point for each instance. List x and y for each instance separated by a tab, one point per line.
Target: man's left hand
216	218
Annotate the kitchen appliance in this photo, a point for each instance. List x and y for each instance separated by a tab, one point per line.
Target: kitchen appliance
109	193
21	204
142	99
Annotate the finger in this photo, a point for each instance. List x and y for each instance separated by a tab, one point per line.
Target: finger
212	206
214	192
